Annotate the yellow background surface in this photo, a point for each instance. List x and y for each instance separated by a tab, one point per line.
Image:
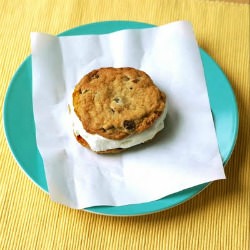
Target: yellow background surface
218	218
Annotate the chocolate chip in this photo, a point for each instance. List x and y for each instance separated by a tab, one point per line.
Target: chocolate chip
129	124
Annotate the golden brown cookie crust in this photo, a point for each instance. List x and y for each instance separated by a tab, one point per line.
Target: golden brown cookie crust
117	102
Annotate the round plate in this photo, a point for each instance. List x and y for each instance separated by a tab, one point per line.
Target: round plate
20	128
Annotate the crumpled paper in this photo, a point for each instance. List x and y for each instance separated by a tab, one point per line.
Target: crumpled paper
183	155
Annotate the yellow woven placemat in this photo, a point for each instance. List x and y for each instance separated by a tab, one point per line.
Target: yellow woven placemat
218	218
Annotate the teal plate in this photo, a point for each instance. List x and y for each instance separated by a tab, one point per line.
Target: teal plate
20	127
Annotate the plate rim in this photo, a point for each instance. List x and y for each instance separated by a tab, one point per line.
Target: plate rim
98	210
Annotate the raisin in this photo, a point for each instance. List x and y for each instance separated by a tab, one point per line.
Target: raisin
135	80
129	124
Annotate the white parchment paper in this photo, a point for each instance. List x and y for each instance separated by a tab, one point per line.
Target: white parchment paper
183	155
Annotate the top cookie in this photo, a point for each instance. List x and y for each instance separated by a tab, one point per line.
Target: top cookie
117	102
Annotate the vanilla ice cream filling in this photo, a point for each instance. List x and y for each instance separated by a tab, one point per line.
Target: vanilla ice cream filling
99	143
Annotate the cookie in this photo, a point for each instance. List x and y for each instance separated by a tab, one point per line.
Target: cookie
116	103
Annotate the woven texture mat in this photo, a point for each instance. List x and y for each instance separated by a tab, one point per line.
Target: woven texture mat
218	218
